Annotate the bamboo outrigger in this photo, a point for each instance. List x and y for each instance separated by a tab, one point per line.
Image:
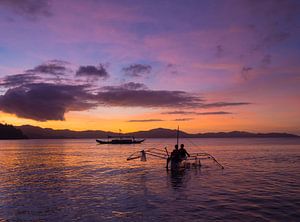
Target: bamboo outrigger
193	160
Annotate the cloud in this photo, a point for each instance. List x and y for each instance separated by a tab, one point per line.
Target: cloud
224	104
245	72
214	113
40	97
126	86
52	72
179	113
183	119
220	51
172	68
147	98
52	67
144	120
28	8
246	69
277	20
207	106
137	70
266	61
196	113
93	71
44	101
50	101
18	80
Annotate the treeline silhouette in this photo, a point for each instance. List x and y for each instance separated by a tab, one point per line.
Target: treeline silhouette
10	132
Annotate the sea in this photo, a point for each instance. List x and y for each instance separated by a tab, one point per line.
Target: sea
79	180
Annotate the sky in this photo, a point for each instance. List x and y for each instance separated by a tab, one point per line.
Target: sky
207	66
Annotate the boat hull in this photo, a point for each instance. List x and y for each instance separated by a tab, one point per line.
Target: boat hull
120	141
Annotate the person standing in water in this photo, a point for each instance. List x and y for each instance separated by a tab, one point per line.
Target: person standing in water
174	158
183	154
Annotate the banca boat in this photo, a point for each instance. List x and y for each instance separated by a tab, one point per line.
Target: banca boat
194	160
120	140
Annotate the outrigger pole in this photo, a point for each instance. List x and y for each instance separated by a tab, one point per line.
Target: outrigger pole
165	155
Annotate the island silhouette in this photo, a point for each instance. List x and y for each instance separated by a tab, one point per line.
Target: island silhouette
10	132
35	132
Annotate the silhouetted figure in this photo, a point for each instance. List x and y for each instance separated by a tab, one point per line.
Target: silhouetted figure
183	154
143	156
174	158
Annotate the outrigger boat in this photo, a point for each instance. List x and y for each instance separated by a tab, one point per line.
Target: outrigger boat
194	160
120	140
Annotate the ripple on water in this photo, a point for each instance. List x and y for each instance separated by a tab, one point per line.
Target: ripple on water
76	180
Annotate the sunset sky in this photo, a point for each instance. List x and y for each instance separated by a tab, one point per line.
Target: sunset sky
137	65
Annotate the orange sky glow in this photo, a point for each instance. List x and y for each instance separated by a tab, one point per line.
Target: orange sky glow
205	66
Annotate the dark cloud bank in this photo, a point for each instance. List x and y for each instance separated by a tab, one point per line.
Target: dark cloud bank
44	101
35	96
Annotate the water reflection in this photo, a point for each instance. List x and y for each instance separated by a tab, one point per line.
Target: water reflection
76	180
36	182
180	178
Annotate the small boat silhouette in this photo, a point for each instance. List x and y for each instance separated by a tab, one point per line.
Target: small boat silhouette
120	140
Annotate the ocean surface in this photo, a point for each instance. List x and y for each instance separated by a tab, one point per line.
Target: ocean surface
78	180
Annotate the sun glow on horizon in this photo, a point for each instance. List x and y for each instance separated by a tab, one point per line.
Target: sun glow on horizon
208	67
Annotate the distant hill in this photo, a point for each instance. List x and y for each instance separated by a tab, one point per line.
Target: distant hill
34	132
10	132
159	133
241	134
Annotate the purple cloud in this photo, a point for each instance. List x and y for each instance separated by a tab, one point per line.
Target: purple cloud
220	51
137	70
147	98
52	67
35	96
266	61
44	101
93	71
49	101
18	80
28	8
126	86
224	104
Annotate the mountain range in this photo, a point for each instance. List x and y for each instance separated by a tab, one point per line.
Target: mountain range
34	132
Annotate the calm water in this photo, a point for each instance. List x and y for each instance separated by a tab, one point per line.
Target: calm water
77	180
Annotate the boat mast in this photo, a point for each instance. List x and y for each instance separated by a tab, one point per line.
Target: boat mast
177	135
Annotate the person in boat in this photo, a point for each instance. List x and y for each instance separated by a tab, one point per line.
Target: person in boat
183	154
174	158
